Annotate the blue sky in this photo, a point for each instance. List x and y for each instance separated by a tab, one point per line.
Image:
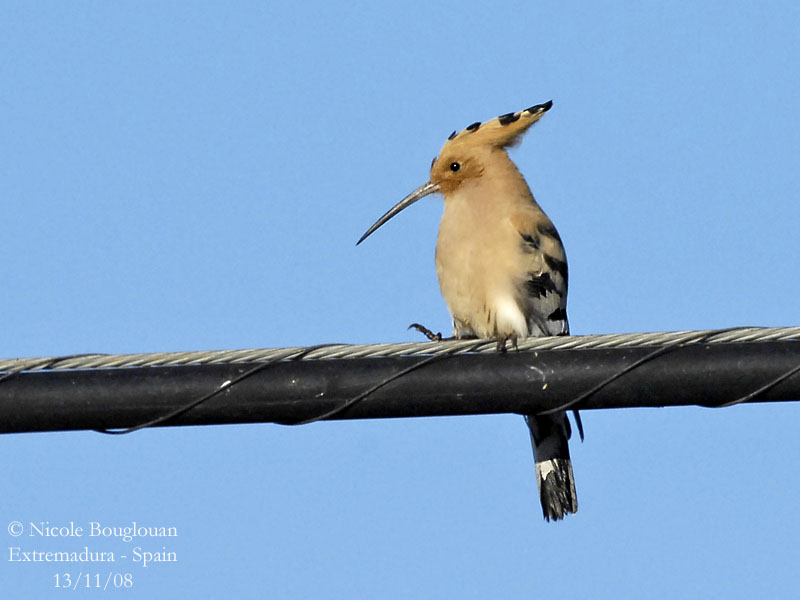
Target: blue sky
186	176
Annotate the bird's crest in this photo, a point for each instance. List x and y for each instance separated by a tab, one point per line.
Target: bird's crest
503	131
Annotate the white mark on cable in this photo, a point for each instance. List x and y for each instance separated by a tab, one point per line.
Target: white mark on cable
537	369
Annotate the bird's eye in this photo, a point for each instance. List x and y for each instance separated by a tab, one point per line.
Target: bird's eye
454	166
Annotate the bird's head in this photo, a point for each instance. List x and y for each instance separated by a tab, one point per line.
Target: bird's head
466	155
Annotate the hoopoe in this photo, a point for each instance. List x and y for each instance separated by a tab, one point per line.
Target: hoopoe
502	269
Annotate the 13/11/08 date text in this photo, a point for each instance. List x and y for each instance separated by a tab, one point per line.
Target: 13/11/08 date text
93	580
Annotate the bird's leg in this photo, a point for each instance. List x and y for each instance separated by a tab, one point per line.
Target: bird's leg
501	342
433	337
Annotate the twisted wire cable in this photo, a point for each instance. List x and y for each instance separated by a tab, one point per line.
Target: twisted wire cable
346	351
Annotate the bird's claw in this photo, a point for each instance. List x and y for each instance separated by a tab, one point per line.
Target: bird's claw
433	337
501	343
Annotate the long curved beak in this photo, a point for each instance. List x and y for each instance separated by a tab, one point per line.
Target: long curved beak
422	191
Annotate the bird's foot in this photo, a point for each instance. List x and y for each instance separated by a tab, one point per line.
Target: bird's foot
501	342
433	337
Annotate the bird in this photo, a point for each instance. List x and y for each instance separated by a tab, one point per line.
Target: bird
502	269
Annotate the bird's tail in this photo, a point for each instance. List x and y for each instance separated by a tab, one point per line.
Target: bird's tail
550	440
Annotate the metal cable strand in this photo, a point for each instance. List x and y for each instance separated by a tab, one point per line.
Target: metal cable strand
661	349
230	367
196	402
9	367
